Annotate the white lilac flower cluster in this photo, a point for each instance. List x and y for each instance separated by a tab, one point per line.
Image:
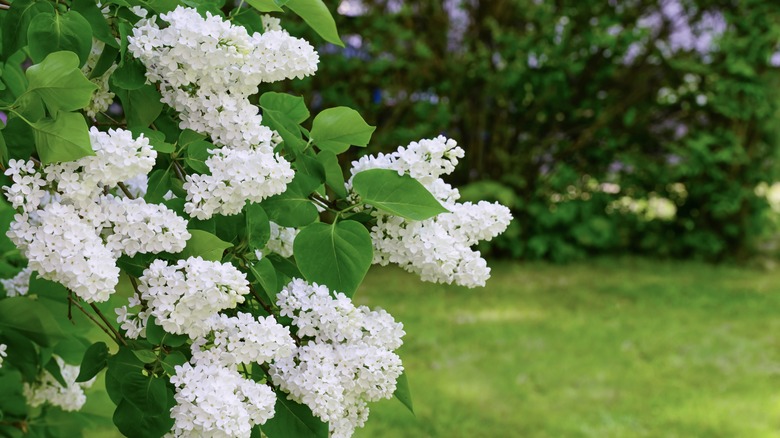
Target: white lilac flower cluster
438	249
183	296
242	339
46	389
72	232
207	68
212	397
346	357
19	284
3	353
214	401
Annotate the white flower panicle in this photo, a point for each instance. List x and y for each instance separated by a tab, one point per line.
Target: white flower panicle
48	390
237	176
182	296
27	190
3	353
207	68
243	339
73	233
61	246
133	324
213	401
118	157
438	249
19	284
346	358
130	226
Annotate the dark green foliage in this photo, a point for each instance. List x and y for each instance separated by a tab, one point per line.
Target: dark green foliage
546	97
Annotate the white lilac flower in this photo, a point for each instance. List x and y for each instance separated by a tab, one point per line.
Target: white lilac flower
133	324
346	358
215	401
437	249
46	389
182	297
61	246
130	226
19	284
281	240
237	176
118	157
243	339
3	353
27	190
207	68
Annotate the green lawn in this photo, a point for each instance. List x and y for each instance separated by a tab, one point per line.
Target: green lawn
609	348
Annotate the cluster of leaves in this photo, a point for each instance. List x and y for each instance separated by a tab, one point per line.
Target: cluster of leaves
542	94
42	95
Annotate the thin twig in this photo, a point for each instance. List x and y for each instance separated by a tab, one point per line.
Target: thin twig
92	318
257	297
100	314
179	171
4	7
125	190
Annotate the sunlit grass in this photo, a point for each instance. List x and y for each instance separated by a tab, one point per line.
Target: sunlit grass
609	348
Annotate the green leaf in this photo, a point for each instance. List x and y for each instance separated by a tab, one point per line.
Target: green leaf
30	318
3	150
12	401
291	107
135	423
104	62
334	176
136	264
400	195
156	139
265	5
141	106
94	361
145	356
159	185
335	129
100	28
293	207
17	21
49	33
287	129
265	274
258	227
156	335
130	75
59	82
403	393
206	245
337	255
65	138
22	354
292	419
146	393
53	368
172	360
318	17
197	154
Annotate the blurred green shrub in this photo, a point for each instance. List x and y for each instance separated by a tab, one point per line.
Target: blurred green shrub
656	98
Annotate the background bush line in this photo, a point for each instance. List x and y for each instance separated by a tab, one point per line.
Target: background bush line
670	99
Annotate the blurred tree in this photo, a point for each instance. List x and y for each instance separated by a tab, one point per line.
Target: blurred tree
546	96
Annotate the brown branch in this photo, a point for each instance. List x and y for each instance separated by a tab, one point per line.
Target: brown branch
105	320
92	318
125	190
